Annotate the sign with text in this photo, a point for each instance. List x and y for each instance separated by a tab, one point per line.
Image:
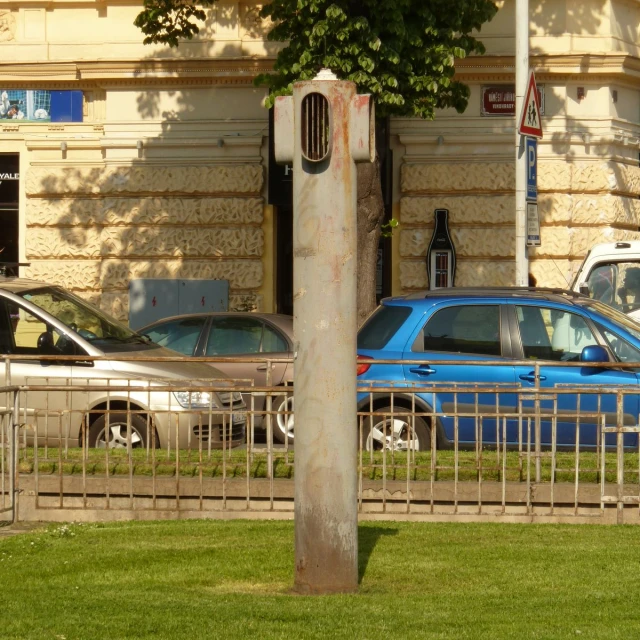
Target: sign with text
500	100
9	179
533	225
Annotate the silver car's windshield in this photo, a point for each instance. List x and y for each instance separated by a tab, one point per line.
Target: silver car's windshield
618	317
86	320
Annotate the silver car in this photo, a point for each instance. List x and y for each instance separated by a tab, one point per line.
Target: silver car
161	404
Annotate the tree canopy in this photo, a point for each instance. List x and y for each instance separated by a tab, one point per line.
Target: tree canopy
401	51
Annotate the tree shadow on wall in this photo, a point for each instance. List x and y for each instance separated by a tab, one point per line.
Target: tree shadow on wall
590	185
104	226
555	18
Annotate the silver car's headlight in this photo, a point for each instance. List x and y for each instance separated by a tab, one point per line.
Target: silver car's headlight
195	399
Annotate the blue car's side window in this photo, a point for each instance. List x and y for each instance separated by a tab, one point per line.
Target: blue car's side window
552	334
473	329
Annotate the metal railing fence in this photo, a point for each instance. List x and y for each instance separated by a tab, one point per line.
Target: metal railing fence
426	451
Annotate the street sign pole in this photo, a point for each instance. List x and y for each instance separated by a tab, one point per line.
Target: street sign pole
522	74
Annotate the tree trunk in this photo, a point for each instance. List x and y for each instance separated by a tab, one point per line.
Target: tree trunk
370	219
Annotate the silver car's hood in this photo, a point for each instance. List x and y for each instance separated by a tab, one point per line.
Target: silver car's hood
188	369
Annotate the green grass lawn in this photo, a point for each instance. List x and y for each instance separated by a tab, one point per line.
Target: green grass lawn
216	579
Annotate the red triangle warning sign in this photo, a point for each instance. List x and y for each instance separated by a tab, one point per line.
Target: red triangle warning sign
530	122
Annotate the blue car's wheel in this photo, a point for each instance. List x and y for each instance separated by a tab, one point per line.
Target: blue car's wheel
397	431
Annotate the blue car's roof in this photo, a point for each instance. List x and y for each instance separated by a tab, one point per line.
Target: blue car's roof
427	298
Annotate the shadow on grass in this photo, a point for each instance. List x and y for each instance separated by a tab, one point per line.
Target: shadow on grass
367	539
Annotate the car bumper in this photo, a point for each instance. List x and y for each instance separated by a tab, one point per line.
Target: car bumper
192	429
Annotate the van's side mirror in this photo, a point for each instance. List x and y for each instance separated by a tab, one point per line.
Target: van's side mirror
584	289
594	353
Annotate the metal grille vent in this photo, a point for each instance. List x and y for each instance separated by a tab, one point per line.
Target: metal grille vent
315	127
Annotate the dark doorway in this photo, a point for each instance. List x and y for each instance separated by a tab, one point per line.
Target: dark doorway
383	147
9	190
281	197
284	260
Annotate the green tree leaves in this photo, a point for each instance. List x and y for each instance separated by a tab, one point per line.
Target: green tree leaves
168	21
401	51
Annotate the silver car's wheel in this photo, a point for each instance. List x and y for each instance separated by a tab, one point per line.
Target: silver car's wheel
115	434
283	424
395	433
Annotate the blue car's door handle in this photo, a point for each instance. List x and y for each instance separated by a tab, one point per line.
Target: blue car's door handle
424	370
531	377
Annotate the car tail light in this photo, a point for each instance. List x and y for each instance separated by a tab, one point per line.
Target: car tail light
364	363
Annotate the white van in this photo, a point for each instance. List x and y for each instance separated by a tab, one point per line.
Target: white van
611	273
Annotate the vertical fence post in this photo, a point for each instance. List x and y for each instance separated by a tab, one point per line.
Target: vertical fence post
620	456
538	434
13	454
12	441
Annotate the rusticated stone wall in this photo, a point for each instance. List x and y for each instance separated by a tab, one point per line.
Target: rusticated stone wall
93	229
580	204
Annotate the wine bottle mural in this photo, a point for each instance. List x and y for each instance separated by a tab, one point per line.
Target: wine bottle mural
441	254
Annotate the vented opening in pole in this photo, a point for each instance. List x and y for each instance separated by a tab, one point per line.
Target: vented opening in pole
315	127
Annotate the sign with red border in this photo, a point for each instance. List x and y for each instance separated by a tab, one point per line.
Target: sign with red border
530	121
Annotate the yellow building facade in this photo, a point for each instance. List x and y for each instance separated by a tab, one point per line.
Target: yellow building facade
165	174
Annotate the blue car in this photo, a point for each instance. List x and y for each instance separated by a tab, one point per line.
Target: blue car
508	326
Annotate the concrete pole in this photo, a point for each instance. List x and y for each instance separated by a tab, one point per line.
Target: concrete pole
325	323
522	76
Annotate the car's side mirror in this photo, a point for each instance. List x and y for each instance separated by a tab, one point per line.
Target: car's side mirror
46	346
584	289
594	353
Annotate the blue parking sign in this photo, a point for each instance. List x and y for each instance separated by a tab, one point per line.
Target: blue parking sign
531	150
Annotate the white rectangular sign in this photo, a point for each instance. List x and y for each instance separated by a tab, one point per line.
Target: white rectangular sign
533	225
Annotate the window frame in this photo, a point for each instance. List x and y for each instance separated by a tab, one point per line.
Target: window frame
212	321
544	304
73	348
504	340
283	336
198	344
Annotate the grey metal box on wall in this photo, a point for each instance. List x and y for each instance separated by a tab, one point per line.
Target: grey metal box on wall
152	299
